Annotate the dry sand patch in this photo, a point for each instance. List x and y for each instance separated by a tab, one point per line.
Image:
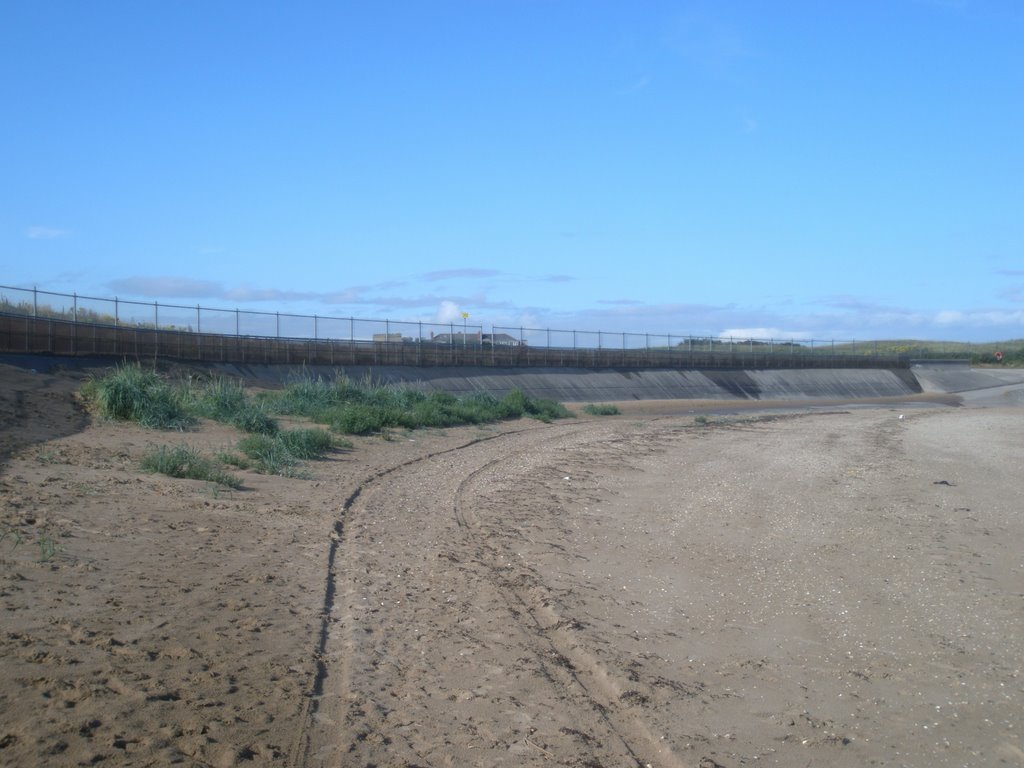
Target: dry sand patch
842	588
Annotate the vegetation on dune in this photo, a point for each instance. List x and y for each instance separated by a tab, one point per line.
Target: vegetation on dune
601	409
185	461
280	454
1008	353
368	408
132	393
226	401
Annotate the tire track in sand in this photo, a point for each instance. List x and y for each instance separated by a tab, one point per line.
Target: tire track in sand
610	693
311	745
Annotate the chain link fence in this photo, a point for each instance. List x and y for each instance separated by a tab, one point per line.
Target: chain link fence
59	323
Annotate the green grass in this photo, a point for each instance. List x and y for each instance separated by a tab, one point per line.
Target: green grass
226	401
369	408
983	353
281	454
185	461
308	443
132	393
49	547
14	534
601	409
268	454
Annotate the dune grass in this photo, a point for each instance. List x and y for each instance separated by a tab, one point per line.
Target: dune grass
141	395
132	393
226	401
281	454
369	408
601	409
185	461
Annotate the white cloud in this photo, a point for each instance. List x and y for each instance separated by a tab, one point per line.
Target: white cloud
763	333
45	233
949	316
448	312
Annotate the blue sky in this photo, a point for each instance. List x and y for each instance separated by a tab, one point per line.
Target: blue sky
786	169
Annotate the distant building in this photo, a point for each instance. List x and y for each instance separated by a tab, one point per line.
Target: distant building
387	338
477	339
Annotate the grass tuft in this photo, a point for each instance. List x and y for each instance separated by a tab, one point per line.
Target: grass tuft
226	401
280	454
185	461
601	409
131	393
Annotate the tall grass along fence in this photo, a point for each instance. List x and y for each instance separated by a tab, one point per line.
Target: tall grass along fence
43	322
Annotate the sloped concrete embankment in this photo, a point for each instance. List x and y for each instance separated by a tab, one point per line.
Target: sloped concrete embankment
584	385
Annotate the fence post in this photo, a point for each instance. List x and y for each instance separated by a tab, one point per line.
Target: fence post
236	322
316	330
117	322
74	307
35	301
277	326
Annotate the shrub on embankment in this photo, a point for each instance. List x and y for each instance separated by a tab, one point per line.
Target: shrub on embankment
366	408
132	393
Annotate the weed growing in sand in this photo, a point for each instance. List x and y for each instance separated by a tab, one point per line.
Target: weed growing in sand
234	460
13	534
131	393
280	454
700	420
49	457
601	409
226	401
308	443
185	461
218	491
49	548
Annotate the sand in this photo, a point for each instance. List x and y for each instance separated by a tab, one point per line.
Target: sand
842	587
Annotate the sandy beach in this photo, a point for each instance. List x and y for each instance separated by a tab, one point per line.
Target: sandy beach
843	587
